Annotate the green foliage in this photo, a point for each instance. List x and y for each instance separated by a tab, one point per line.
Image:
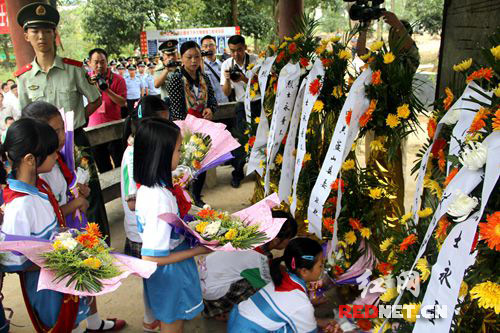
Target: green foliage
74	44
427	14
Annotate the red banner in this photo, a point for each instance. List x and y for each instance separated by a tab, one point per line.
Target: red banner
4	20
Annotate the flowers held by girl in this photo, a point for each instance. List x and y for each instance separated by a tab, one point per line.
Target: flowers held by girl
488	295
194	148
490	231
473	157
463	66
462	206
83	258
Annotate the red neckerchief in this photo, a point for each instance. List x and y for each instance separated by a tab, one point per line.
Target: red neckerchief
287	284
9	194
183	203
45	188
68	175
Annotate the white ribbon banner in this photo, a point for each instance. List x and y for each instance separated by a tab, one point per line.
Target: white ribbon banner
455	257
316	73
288	166
248	100
340	145
288	85
256	154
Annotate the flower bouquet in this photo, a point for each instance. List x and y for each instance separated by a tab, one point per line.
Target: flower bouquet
243	230
194	148
83	257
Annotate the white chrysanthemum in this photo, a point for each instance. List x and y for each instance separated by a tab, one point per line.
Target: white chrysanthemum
462	206
69	244
212	229
474	156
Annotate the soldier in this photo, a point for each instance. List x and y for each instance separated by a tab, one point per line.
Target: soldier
170	65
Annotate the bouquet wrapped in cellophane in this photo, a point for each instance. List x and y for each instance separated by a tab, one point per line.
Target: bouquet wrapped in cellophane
221	231
81	257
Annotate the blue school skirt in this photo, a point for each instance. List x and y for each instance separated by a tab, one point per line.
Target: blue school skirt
173	292
47	303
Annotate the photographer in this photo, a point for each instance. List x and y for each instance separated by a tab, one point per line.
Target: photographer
170	65
234	79
114	96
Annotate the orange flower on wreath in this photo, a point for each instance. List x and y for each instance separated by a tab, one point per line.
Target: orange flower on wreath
364	324
355	223
328	222
410	240
348	117
441	161
449	98
431	127
315	87
385	268
304	62
93	229
442	228
280	56
482	73
376	78
335	185
333	201
87	240
292	48
450	176
326	62
478	122
496	120
367	116
251	141
490	231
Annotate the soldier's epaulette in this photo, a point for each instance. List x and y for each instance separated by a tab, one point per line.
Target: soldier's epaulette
72	62
23	70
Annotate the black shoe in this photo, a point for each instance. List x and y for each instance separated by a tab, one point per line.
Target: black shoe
199	203
235	182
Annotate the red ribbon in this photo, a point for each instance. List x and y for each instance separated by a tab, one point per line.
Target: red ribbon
183	203
68	175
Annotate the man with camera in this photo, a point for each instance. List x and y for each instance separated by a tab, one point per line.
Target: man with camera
234	82
171	63
114	97
212	66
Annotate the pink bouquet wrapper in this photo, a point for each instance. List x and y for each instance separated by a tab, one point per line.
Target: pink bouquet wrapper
222	140
259	213
32	249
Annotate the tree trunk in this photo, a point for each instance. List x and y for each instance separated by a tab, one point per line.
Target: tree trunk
289	12
234	12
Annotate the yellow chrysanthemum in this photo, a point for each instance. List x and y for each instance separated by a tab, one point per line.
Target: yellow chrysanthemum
335	39
423	267
298	36
348	165
365	233
320	49
344	55
252	94
288	39
247	131
410	312
318	106
376	145
389	295
406	217
273	47
257	120
290	200
488	295
57	245
392	120
350	237
250	67
376	46
433	186
426	212
279	159
342	244
200	227
92	263
247	147
255	86
365	56
337	92
386	243
262	164
463	289
376	193
403	111
283	45
497	91
389	57
463	66
198	154
307	157
231	234
496	52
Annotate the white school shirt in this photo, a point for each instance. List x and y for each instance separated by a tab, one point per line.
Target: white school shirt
225	268
57	183
157	235
239	87
286	307
30	215
128	188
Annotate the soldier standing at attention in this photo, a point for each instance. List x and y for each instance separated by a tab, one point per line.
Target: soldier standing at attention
62	82
170	65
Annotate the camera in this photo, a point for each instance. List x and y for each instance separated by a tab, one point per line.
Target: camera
101	82
173	63
365	10
207	53
235	73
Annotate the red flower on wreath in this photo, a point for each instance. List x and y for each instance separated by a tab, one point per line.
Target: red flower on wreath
326	62
410	240
292	48
385	268
478	122
355	223
251	141
376	78
438	145
280	56
483	73
315	87
304	62
348	117
364	324
335	186
431	127
367	116
328	223
450	176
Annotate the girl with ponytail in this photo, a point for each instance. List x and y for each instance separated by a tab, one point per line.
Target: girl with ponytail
283	304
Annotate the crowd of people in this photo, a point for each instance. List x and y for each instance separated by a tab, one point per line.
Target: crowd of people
250	289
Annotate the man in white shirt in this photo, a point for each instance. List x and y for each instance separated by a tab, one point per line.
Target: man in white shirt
5	111
213	67
233	77
11	99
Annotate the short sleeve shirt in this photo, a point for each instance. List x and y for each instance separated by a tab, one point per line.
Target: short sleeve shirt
211	72
128	189
64	85
109	110
239	87
57	183
150	84
134	86
163	87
